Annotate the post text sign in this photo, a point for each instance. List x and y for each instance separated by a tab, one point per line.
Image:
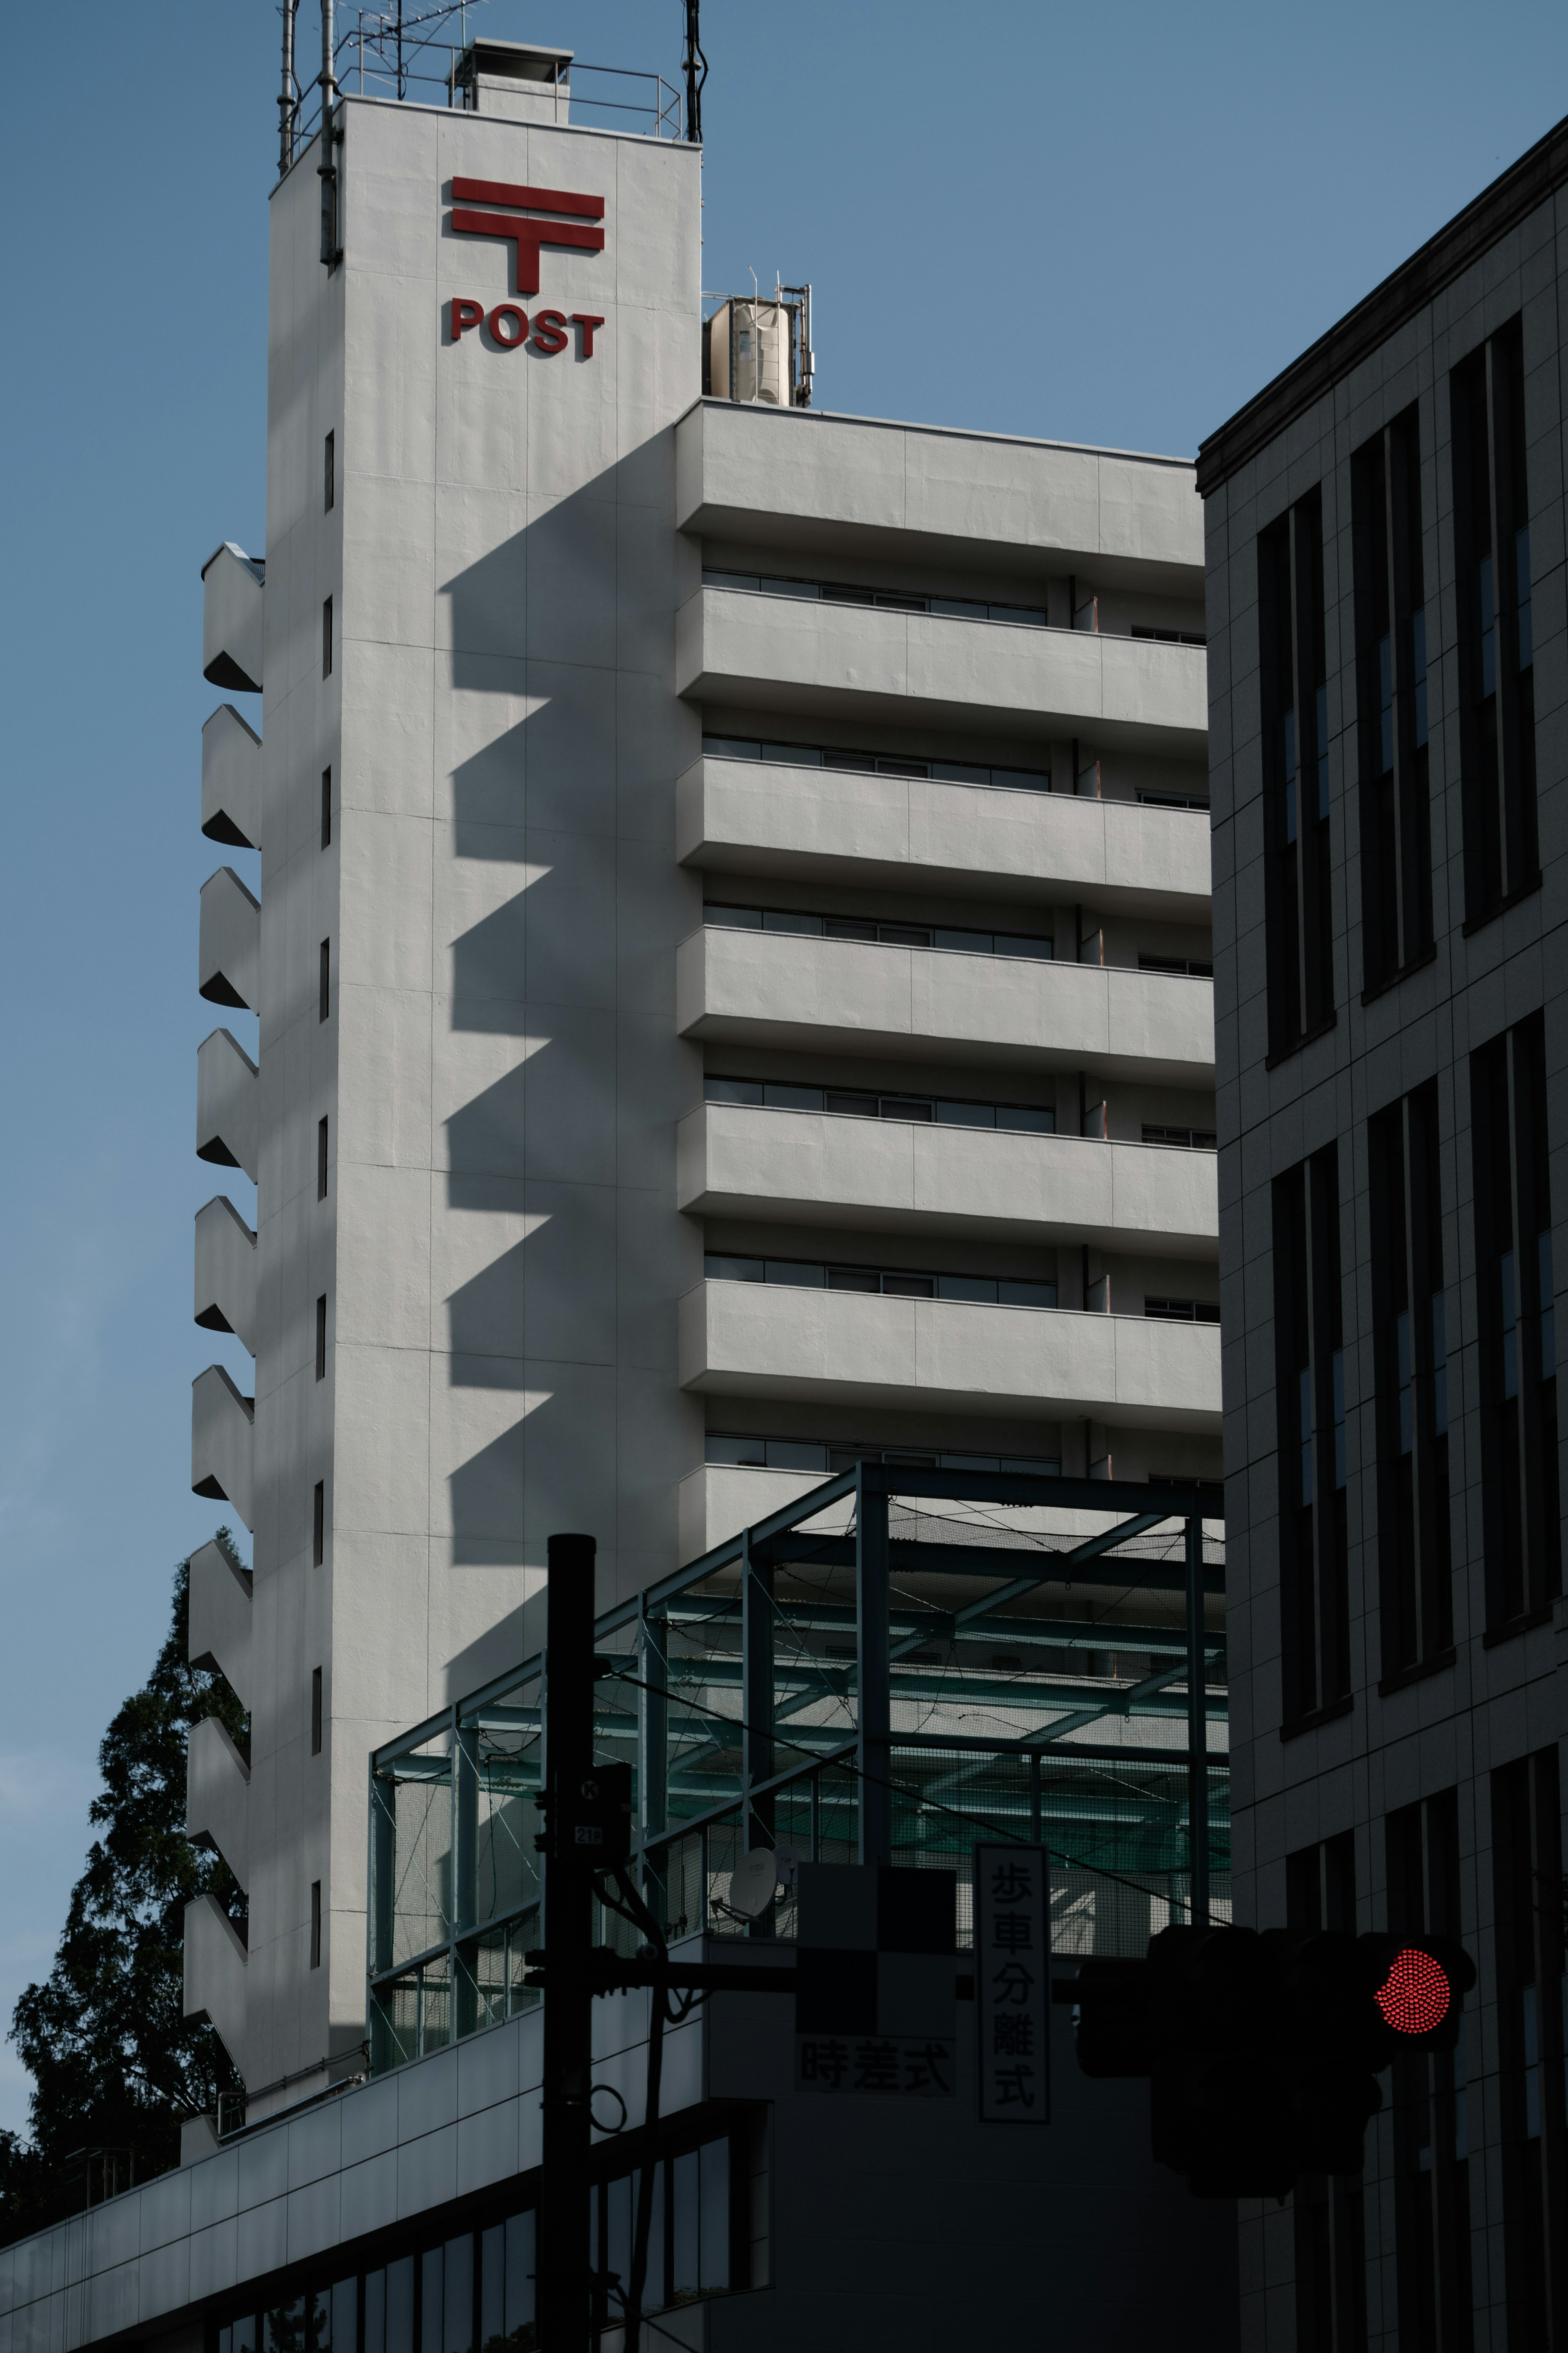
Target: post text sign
532	218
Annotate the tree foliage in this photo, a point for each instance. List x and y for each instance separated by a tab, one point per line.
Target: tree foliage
115	2063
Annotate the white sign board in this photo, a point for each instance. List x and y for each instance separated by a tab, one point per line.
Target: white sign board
1012	1984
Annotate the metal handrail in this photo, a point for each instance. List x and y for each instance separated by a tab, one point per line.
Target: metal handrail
381	48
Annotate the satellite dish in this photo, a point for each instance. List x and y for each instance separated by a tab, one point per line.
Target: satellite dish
753	1883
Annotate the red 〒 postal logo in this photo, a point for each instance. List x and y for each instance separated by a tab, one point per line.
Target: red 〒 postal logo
508	322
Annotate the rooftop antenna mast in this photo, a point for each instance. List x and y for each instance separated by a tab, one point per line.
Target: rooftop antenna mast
696	75
286	101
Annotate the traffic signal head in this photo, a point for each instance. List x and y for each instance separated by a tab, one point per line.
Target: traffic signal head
1262	2051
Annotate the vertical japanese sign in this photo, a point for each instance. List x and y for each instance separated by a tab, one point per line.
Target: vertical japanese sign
1012	1984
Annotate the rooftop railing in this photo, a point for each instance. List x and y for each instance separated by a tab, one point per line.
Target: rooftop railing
382	53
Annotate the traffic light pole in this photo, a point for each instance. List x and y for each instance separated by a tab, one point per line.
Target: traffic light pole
563	2261
1197	1728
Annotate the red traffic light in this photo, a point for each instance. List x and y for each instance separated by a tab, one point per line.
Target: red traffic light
1416	1995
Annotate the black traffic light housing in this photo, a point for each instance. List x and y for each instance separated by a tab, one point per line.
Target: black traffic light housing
1262	2051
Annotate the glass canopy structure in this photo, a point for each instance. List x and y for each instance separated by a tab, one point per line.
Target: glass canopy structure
904	1660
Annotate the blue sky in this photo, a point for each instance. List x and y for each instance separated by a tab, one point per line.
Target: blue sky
1106	225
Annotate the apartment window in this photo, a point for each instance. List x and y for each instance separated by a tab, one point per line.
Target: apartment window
1186	1139
1181	1311
1411	1356
1298	905
1391	702
321	1337
329	474
315	1923
1431	2115
321	1159
1516	1295
1314	1577
327	639
325	998
1329	2212
948	938
315	1711
860	1102
318	1523
326	808
1497	651
1532	1992
887	1282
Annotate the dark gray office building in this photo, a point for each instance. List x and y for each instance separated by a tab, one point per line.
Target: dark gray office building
1387	674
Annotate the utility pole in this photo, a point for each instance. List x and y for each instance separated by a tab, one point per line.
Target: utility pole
564	2263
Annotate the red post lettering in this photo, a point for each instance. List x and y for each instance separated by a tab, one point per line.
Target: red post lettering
508	311
465	314
550	334
580	319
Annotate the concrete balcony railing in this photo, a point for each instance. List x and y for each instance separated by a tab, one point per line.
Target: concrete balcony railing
872	664
219	1618
225	1272
231	780
227	1115
734	1160
231	619
780	988
913	833
789	478
230	945
223	1447
771	1340
214	1975
218	1797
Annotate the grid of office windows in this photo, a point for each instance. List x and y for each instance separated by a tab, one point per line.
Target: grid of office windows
1516	1295
947	936
476	2288
1329	2216
1314	1575
1532	2002
877	764
1431	2111
1411	1356
890	1282
1391	701
860	1102
1298	907
1497	652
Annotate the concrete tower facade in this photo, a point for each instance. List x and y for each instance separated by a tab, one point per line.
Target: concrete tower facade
731	961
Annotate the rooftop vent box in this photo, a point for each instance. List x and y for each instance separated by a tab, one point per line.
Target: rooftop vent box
516	80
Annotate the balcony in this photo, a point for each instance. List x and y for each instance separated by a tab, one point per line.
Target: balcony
222	1451
804	1167
219	1618
218	1797
897	493
214	1975
775	988
763	1339
227	1118
229	941
896	832
231	619
225	1272
868	664
231	780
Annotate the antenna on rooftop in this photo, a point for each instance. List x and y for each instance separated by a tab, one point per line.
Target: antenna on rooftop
694	79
